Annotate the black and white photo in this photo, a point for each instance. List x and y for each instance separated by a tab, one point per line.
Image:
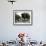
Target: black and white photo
22	16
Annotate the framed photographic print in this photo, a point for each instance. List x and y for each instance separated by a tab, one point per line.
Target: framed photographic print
23	17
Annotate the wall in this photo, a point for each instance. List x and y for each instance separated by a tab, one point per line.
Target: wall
37	31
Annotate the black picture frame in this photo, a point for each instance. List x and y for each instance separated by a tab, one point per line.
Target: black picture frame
21	22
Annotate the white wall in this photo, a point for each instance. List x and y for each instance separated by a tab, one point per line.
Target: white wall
37	31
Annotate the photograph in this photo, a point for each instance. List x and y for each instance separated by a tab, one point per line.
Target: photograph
22	17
